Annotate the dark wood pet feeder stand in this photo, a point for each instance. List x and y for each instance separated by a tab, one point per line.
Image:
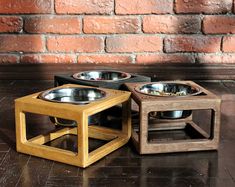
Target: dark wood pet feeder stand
147	104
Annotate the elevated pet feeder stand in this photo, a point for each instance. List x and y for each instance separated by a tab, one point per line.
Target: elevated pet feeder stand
149	103
79	113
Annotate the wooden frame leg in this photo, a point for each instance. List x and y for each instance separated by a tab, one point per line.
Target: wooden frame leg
215	127
20	128
82	135
143	132
126	118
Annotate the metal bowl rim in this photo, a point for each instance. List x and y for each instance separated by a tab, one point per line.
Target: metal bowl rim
137	89
44	93
128	75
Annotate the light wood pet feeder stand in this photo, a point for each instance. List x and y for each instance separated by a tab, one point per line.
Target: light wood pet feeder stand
79	113
148	103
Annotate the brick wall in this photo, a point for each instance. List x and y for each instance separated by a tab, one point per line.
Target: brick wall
117	31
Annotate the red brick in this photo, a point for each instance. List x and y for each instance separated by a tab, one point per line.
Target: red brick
219	24
110	25
84	6
216	59
48	58
134	43
25	6
144	6
11	24
105	58
164	58
200	44
21	43
53	24
229	44
75	44
203	6
8	59
171	24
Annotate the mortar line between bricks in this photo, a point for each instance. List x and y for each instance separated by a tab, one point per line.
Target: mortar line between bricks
115	15
114	53
174	7
53	7
82	25
221	44
180	14
105	45
141	24
44	38
172	35
134	56
46	16
98	14
103	50
162	35
233	7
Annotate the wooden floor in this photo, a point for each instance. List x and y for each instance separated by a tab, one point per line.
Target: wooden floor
124	167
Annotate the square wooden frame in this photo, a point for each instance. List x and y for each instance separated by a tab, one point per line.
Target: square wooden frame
80	114
149	104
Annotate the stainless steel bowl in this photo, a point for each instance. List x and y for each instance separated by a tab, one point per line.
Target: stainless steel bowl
166	89
102	75
73	95
176	114
169	89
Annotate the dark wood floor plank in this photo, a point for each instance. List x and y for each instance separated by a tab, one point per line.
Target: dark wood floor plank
165	160
4	147
221	182
2	156
65	182
63	170
141	181
129	172
1	140
226	150
7	122
12	167
228	120
21	88
215	87
35	173
230	85
1	99
124	151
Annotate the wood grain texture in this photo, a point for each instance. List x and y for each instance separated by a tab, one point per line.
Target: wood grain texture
149	104
80	113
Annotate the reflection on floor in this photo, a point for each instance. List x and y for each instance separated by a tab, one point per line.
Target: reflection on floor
124	167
